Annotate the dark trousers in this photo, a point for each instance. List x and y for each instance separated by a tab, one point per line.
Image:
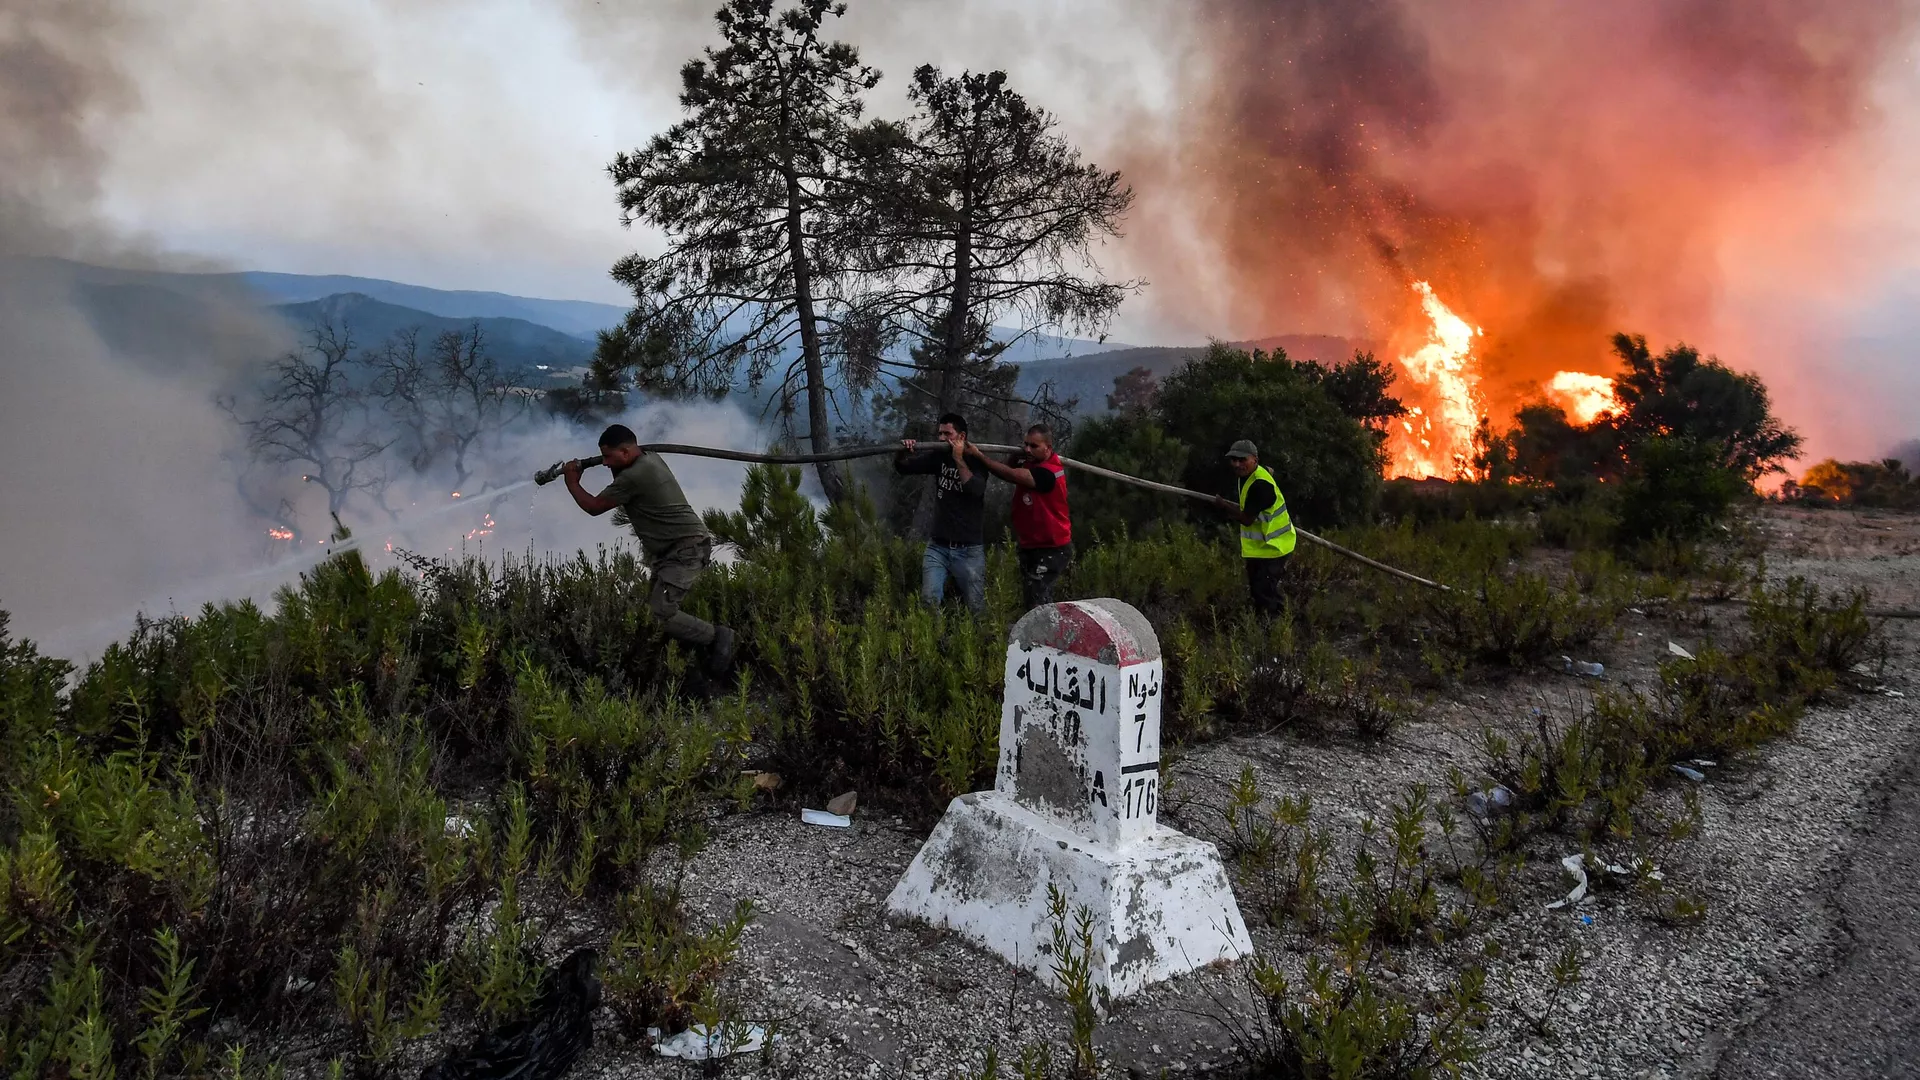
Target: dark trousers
1040	568
674	572
1263	582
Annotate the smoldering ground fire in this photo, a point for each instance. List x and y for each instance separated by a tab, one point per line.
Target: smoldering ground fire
1554	171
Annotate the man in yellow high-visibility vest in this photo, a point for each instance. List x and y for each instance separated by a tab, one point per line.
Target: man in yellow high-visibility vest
1266	529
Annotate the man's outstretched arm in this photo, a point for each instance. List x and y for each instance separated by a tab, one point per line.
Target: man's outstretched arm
1017	477
586	500
1261	498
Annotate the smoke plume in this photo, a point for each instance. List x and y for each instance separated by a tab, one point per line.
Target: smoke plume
1558	169
122	489
96	494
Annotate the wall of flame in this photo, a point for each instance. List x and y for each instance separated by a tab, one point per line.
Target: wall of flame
1556	170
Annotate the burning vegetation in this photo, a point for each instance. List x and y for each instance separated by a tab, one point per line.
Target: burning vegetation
1447	410
1336	154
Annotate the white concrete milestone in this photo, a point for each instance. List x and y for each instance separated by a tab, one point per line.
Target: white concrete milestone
1075	806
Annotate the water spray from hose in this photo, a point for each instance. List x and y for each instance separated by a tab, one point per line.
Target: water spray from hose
554	471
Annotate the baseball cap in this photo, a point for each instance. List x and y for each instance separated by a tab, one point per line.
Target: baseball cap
1242	448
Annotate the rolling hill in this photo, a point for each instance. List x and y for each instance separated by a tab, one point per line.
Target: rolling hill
578	318
165	318
532	354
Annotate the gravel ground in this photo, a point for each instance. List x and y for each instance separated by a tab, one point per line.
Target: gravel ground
1862	1018
854	995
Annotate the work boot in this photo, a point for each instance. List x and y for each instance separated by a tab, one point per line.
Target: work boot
720	653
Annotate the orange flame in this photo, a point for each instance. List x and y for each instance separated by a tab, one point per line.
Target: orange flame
279	533
1584	397
1436	438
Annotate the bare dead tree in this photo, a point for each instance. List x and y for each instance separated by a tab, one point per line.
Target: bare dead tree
245	468
311	413
473	400
401	383
447	404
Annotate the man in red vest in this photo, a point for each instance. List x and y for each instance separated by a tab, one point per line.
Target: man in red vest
1040	523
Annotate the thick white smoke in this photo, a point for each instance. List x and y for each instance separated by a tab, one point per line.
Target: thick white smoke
118	493
483	521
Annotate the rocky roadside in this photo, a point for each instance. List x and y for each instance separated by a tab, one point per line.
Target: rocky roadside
852	994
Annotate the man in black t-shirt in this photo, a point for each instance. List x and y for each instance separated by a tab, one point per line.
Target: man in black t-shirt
956	546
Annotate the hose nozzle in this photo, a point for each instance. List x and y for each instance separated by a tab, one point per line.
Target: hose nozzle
552	472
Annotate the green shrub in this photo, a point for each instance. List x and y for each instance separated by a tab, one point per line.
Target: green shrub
1339	1020
661	971
1429	501
1803	636
1677	488
1106	510
1278	855
1326	462
1589	774
1518	619
1582	524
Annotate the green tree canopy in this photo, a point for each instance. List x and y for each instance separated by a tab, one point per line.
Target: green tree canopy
1327	462
747	189
1679	394
1133	443
979	224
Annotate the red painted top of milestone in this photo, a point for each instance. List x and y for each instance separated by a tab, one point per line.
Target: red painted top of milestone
1105	630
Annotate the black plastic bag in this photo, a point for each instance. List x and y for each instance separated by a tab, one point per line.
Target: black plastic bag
545	1044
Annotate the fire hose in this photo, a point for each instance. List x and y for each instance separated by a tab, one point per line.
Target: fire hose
553	472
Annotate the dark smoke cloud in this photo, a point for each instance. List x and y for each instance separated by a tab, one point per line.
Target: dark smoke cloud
112	455
1557	169
54	80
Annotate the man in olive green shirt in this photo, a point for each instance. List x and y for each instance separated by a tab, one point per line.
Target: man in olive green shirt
674	540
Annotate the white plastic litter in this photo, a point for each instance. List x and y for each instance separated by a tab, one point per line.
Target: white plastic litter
696	1044
1694	775
821	817
1675	649
1590	669
1627	871
1577	866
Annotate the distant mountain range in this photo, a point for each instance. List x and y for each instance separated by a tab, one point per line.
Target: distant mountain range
161	318
578	318
534	353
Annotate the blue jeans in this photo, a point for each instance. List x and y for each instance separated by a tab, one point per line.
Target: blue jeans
966	564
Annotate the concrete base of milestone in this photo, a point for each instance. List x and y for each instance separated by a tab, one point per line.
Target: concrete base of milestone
1162	905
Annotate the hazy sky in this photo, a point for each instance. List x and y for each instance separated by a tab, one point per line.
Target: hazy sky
463	145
